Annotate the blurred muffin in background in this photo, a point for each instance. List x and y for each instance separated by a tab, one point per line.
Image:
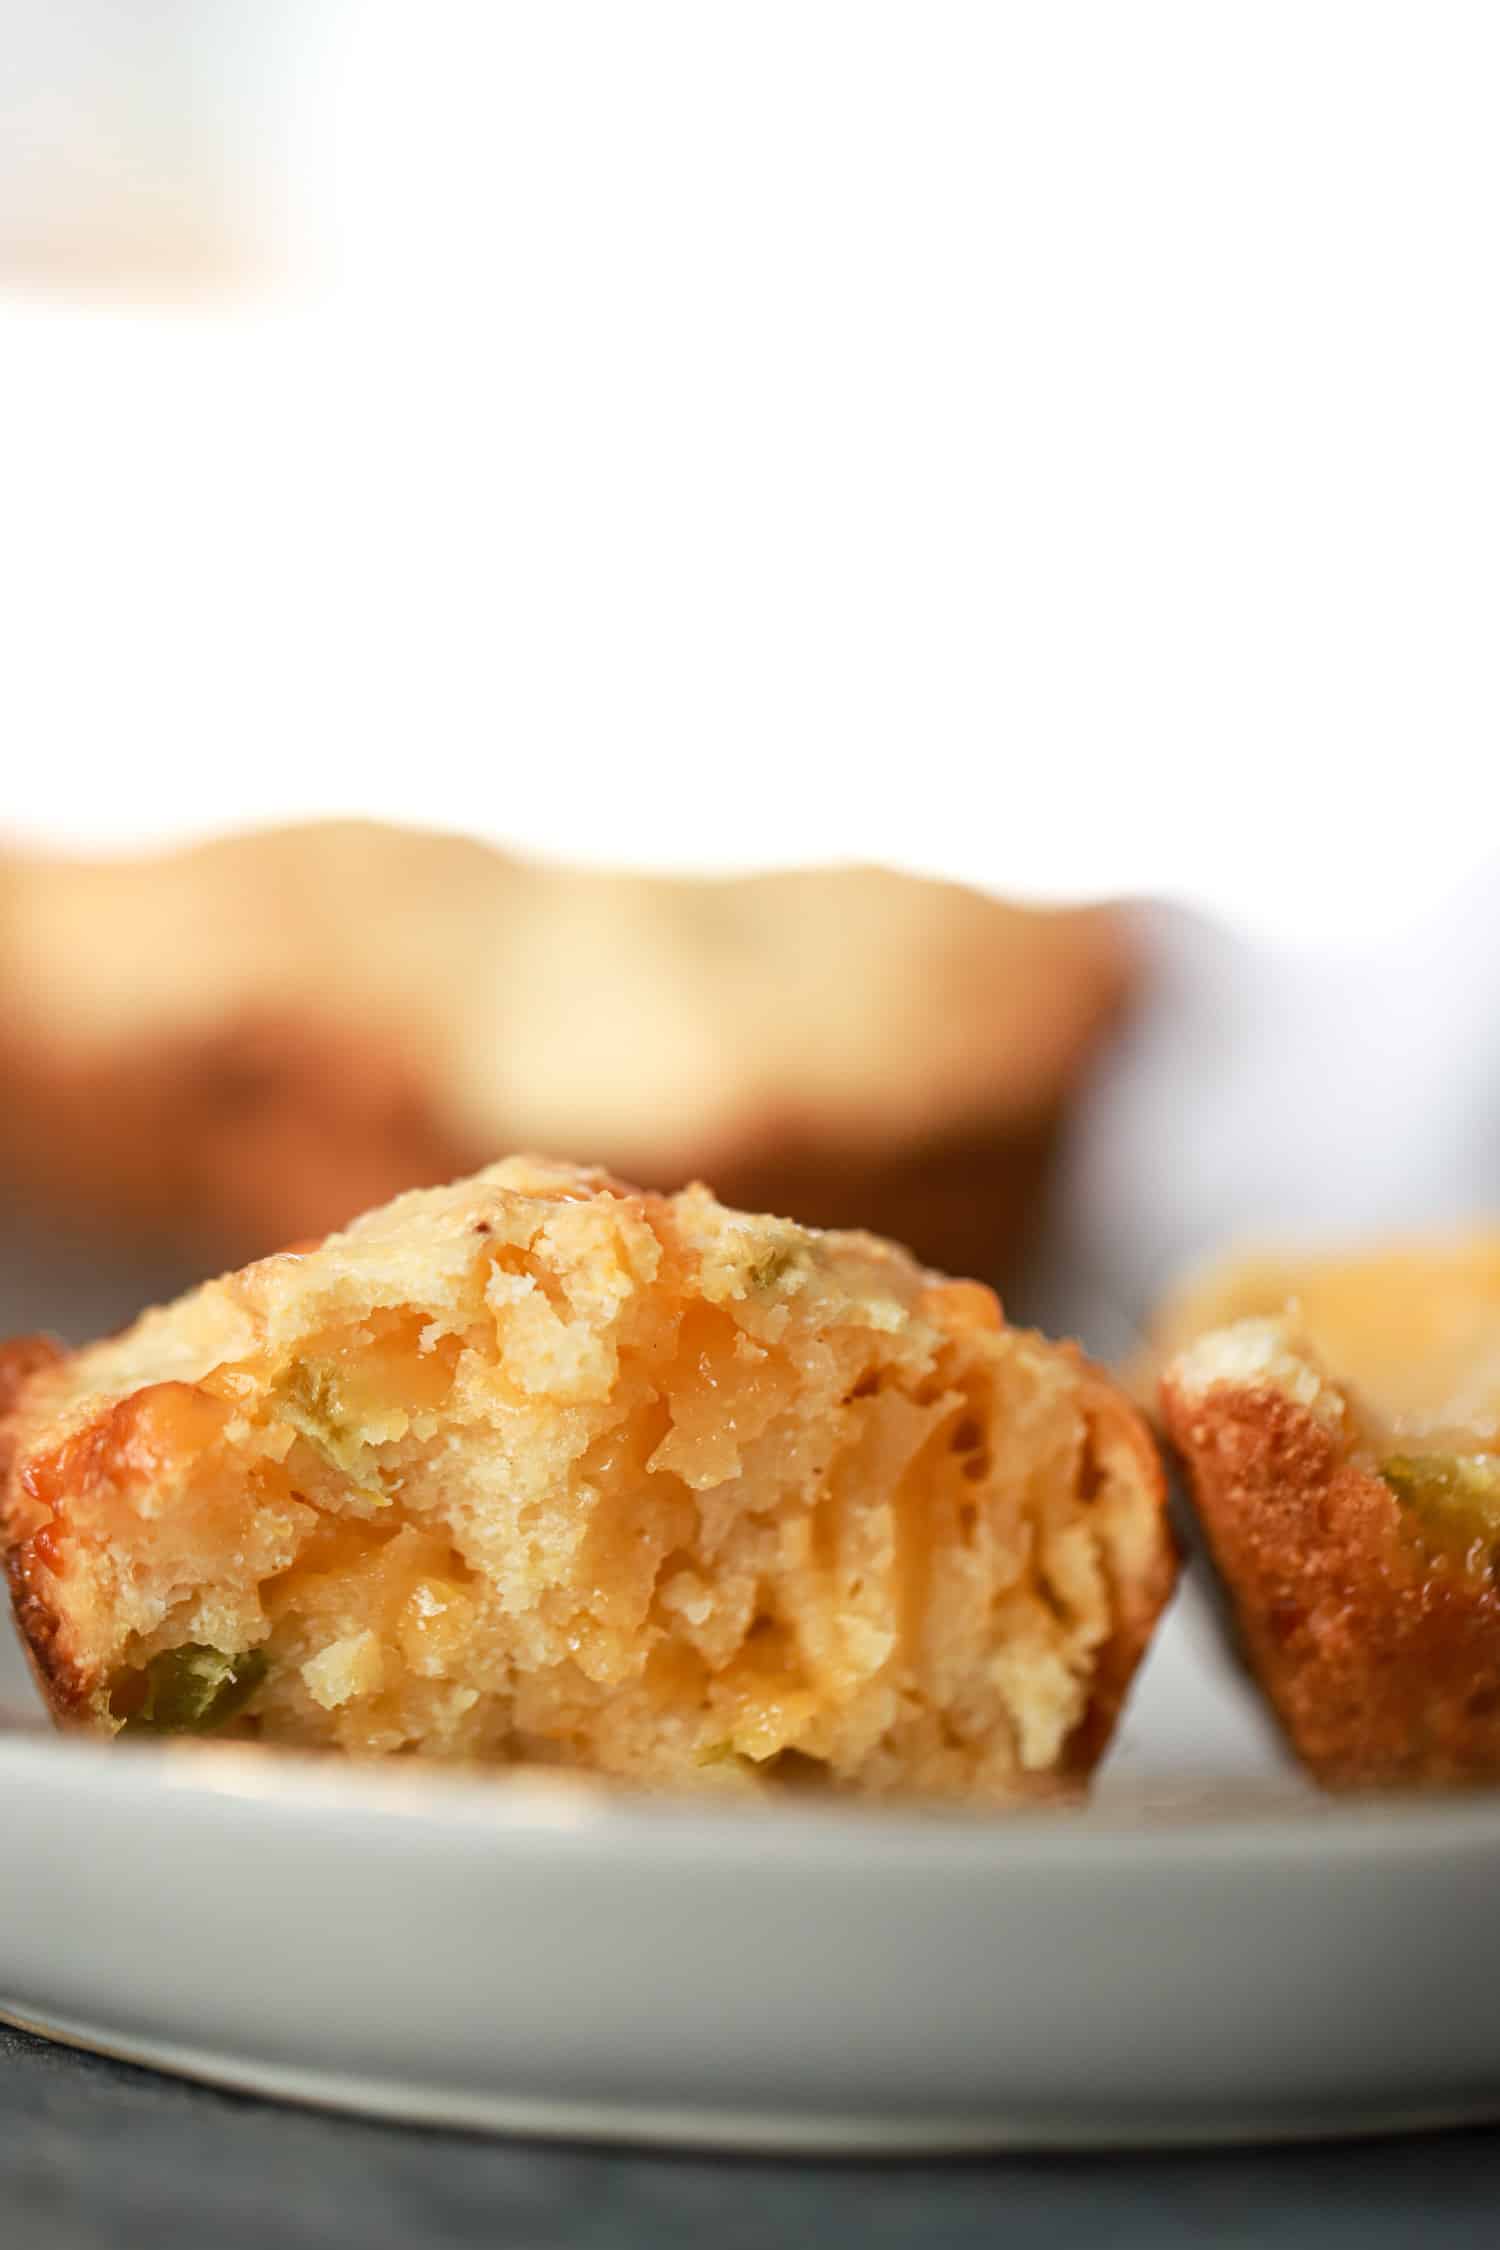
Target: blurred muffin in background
240	1044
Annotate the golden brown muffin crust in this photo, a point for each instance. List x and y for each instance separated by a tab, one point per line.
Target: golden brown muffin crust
22	1361
1373	1624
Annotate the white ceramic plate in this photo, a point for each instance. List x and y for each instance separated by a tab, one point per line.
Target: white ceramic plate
1214	1955
1210	1951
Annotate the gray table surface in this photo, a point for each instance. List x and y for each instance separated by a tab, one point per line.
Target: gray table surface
99	2156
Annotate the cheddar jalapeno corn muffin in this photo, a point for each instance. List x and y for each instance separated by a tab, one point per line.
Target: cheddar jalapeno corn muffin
257	1038
1342	1438
539	1466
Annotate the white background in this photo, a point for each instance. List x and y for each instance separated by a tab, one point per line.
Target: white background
1057	444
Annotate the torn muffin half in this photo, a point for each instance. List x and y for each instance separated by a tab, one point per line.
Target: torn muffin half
1343	1454
538	1467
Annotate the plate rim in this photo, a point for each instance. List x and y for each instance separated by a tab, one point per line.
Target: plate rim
554	1809
827	2137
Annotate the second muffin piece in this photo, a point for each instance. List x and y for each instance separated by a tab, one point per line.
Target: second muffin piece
1342	1441
542	1467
